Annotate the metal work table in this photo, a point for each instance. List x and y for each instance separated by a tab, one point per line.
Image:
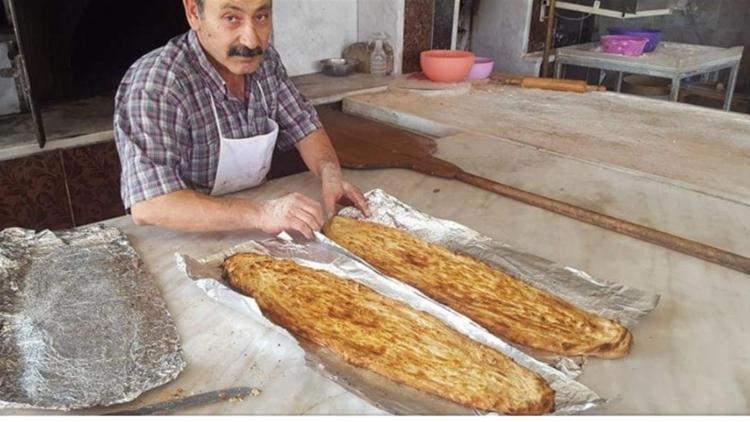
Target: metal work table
674	61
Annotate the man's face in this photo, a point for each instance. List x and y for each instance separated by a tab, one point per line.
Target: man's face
234	33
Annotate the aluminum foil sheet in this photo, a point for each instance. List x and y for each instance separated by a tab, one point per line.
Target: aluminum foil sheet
571	396
609	300
82	323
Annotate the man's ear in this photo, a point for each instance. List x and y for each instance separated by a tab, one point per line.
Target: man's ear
192	14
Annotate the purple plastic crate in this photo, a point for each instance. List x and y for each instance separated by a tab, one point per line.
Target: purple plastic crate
624	44
653	35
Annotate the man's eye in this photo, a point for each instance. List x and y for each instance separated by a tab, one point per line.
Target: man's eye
261	18
231	19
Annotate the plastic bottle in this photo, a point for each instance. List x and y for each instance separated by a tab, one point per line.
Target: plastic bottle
378	60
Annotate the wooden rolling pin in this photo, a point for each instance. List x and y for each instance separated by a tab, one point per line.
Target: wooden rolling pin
566	85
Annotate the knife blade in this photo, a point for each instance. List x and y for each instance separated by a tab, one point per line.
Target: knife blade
188	402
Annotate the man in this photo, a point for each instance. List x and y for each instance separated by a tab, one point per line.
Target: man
200	118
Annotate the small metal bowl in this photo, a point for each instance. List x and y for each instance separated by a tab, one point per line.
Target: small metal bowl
339	66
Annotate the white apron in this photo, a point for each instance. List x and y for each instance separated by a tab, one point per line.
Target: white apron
243	162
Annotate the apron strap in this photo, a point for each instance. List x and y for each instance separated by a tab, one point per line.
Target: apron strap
263	96
216	114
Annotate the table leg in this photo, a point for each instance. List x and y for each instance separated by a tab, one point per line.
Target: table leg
675	94
619	82
731	87
558	69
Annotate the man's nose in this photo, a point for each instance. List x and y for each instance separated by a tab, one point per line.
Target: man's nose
249	37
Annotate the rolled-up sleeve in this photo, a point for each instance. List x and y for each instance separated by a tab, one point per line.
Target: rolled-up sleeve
296	116
149	128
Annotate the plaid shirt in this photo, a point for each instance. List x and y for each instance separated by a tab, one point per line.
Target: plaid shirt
165	129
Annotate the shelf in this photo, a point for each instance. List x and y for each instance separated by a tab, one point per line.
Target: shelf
89	120
611	13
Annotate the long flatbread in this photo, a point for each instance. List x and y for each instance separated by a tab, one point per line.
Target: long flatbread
504	305
388	337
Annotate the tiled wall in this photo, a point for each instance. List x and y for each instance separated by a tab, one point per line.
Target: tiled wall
33	193
418	21
78	186
61	189
93	176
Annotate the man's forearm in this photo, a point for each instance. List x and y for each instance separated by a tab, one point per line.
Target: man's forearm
194	212
318	154
320	157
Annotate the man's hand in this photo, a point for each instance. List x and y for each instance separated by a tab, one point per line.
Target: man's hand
291	212
320	158
335	190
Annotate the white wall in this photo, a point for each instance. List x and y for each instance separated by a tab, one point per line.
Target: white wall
501	30
385	16
306	31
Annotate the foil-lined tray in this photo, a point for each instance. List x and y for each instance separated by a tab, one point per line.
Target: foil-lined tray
82	323
612	301
323	254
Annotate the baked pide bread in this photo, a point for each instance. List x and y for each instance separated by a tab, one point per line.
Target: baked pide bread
504	305
388	337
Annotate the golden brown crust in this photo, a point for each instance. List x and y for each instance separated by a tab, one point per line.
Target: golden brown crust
502	304
388	337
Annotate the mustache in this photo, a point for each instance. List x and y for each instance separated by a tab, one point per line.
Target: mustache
242	51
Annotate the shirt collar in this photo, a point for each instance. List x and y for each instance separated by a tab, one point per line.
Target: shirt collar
205	65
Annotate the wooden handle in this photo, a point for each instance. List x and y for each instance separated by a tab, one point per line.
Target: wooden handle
555	84
362	143
566	85
688	247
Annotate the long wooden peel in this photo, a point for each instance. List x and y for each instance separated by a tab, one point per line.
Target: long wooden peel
364	144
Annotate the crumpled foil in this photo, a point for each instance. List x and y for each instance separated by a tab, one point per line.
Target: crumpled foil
609	300
323	254
82	323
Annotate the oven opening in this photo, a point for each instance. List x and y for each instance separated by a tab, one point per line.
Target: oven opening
110	35
76	53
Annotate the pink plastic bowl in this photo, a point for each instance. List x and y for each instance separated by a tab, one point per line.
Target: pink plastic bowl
482	68
446	65
624	44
